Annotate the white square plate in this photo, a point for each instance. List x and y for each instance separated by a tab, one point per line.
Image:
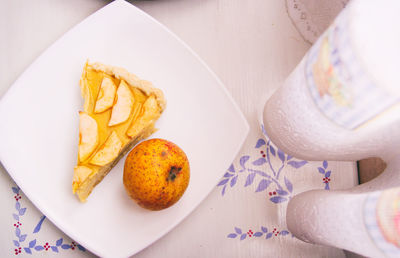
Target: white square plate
39	128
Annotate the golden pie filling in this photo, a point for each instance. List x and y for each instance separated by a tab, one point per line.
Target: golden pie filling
119	110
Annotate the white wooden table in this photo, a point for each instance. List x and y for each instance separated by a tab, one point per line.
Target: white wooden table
252	46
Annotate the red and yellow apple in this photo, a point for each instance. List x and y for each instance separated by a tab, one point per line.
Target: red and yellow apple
156	174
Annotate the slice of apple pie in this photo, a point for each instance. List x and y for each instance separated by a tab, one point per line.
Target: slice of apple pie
119	110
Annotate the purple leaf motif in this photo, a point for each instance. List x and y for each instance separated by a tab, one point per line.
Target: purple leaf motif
17	206
233	181
81	248
260	143
39	225
32	243
281	192
278	199
289	157
65	246
284	232
263	185
272	150
243	160
22	211
223	190
321	170
227	174
238	230
327	186
59	242
16	217
22	238
328	174
281	155
259	172
17	232
39	248
325	164
243	236
16	243
289	185
223	182
233	235
259	162
231	168
54	248
249	179
28	250
258	234
264	229
269	235
15	190
297	164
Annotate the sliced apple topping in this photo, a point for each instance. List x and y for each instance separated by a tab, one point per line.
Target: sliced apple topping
149	113
88	136
108	152
85	90
105	99
123	108
137	110
80	175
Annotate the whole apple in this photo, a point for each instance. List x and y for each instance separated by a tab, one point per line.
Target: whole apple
156	174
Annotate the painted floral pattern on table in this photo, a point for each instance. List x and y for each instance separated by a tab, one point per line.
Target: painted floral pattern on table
273	180
262	233
26	242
